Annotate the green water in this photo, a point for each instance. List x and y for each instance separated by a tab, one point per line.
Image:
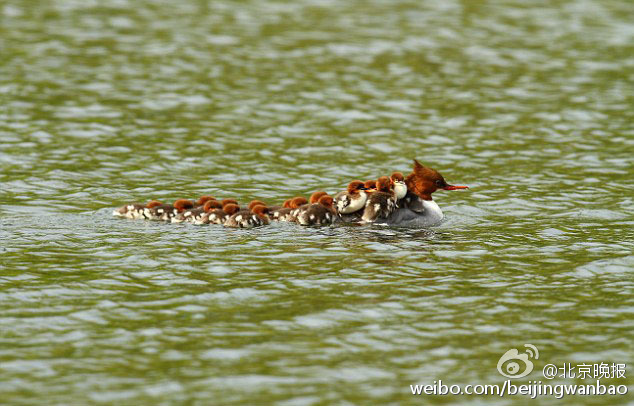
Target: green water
531	104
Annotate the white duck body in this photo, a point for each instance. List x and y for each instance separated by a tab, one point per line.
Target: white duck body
419	213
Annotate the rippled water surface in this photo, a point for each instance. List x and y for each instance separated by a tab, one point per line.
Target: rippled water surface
531	104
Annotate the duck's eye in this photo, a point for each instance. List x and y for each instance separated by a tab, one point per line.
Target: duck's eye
439	183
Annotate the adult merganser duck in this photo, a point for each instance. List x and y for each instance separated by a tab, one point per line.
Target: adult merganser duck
165	212
195	214
219	216
317	214
286	214
420	210
381	203
135	210
256	217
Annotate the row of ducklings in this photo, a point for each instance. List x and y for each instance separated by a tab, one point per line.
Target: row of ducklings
362	201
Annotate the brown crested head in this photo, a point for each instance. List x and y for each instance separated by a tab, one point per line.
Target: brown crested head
287	203
297	202
183	204
424	181
384	184
369	184
397	177
153	203
260	210
314	198
231	208
204	199
355	186
326	201
254	203
224	202
212	204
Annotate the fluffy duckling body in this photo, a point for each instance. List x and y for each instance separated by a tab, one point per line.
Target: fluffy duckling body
135	210
165	212
286	214
218	212
381	203
400	188
256	217
314	198
349	204
351	200
219	216
195	214
318	214
274	211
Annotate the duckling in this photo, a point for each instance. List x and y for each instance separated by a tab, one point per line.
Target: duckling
274	211
135	210
195	214
314	198
165	212
219	216
255	217
381	203
349	204
286	214
203	199
317	214
400	188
